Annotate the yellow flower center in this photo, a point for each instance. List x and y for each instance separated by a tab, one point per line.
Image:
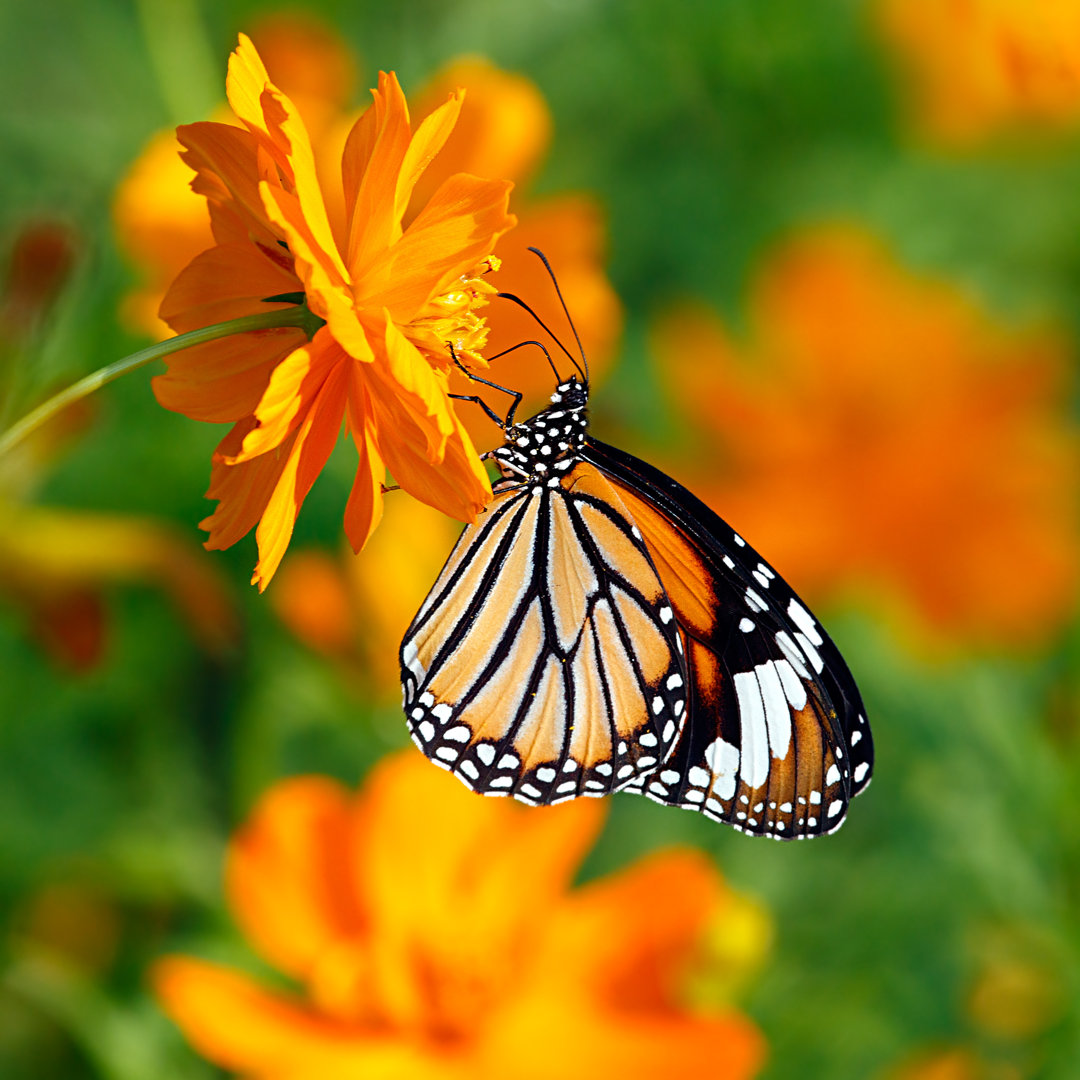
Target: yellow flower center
452	320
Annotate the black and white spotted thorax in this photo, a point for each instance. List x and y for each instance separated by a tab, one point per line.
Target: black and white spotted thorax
540	450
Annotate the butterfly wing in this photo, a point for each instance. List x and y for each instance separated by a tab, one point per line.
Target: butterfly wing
545	662
777	742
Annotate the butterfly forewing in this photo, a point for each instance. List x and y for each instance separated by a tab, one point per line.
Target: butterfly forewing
778	743
546	662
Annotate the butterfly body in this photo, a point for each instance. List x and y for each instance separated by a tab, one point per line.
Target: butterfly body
599	629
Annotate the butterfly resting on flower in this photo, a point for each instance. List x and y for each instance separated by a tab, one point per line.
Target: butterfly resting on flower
600	629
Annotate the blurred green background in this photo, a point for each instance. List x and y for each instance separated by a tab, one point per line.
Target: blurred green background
944	915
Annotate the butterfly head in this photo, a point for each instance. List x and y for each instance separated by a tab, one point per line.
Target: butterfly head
541	449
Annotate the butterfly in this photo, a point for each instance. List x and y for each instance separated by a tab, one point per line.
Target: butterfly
600	629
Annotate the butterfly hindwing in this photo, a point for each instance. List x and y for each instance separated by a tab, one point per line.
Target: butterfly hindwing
778	743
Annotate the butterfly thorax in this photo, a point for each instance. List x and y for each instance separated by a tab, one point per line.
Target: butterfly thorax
540	450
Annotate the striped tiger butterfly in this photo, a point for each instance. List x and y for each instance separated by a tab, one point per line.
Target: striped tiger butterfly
600	629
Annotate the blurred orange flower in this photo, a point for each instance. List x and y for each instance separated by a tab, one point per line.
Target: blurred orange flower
977	66
340	605
392	299
434	934
504	129
880	430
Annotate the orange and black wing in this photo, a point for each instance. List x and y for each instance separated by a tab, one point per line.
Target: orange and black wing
777	743
545	662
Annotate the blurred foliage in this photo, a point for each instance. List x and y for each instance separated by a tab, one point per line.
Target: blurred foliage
941	921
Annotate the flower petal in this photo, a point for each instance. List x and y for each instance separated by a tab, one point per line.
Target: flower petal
371	167
587	1042
242	490
363	512
224	379
268	112
288	884
406	383
240	1026
314	440
490	874
428	139
295	384
226	282
458	485
227	168
328	294
449	238
629	936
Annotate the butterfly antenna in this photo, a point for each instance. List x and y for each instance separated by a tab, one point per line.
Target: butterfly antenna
566	311
521	345
547	329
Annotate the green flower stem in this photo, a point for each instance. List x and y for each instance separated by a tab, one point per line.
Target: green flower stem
298	315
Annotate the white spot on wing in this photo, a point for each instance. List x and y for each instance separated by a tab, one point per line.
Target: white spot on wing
791	651
794	689
755	737
722	758
811	652
777	714
754	601
410	654
804	621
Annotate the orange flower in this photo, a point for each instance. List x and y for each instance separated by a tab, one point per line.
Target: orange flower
503	129
881	430
434	934
392	300
980	65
